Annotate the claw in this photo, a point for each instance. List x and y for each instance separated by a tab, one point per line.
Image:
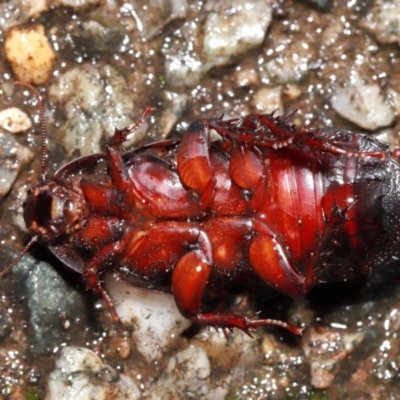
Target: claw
263	322
311	123
274	112
290	116
228	321
109	303
121	135
249	332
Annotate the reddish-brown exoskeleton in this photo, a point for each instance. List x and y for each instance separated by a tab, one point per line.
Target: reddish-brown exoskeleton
289	207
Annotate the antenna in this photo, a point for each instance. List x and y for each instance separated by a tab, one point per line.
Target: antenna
19	256
42	127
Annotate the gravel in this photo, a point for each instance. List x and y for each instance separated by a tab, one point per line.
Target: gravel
337	63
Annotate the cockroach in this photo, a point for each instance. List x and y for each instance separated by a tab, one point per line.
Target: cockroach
268	204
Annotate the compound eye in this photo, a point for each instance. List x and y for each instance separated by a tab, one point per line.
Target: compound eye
44	211
57	208
69	209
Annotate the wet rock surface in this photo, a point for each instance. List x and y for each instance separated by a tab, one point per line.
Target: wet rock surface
80	374
194	60
13	157
56	308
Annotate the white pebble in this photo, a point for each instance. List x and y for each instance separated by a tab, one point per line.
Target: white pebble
362	104
268	99
384	20
15	120
234	29
29	53
154	315
94	100
78	376
231	29
186	376
75	4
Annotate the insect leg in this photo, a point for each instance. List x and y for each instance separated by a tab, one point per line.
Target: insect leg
91	274
118	170
194	162
189	280
103	199
270	260
265	129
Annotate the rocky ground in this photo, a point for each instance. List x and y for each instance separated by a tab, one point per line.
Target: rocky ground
98	64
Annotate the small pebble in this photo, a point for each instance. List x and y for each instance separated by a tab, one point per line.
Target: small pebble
95	101
29	53
186	376
124	349
155	317
151	18
362	104
246	75
326	350
80	374
230	29
292	92
268	99
14	13
13	158
15	120
384	21
75	4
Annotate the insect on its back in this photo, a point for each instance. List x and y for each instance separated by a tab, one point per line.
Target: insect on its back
289	207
